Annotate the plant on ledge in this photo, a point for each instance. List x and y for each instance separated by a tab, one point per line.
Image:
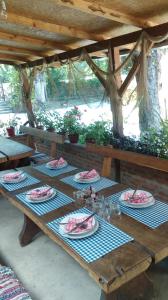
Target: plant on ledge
72	126
99	132
152	142
11	124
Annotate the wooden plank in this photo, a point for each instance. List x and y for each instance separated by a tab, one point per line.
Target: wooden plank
115	42
101	10
17	50
131	157
8	62
53	27
129	258
14	150
106	169
14	57
42	134
34	41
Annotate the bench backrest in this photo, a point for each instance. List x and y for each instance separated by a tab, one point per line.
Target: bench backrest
53	137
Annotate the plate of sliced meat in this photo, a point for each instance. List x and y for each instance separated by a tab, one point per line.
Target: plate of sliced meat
137	199
56	164
40	194
87	176
13	177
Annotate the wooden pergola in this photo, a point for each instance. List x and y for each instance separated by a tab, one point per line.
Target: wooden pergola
39	29
38	32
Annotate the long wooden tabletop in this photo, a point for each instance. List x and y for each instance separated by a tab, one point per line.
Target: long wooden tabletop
11	150
120	265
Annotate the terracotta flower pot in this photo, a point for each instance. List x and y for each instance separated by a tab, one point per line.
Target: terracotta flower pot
40	127
50	129
90	141
11	131
73	138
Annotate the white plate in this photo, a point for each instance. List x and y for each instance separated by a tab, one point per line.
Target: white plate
82	236
56	168
151	201
90	180
41	199
23	176
77	215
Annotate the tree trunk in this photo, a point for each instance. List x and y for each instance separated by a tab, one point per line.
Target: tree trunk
149	115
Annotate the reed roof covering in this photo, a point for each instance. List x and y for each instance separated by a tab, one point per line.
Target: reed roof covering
35	29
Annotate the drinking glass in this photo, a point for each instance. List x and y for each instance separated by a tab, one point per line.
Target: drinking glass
115	209
78	196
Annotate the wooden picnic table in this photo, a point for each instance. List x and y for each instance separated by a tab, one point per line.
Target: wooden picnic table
118	267
13	151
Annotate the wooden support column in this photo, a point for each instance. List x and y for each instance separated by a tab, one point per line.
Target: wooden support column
26	85
116	105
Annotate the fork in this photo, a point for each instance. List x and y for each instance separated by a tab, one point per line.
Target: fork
81	223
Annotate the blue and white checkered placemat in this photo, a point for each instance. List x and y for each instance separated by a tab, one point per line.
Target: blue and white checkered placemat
106	239
40	209
99	185
15	186
152	216
42	168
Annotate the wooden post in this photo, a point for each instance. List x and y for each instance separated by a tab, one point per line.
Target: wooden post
116	104
106	169
26	94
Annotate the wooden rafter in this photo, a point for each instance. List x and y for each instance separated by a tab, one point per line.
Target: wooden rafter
34	41
16	59
115	42
53	27
8	62
13	57
16	50
105	12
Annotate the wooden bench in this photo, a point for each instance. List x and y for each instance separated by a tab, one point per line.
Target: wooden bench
34	135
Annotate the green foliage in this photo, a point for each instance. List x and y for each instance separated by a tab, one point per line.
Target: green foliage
74	80
47	119
99	132
11	122
152	142
8	74
71	121
157	140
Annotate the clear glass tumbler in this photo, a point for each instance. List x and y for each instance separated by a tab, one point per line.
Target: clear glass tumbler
115	209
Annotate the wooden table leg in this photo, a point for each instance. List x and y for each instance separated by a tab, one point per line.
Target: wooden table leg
29	230
140	288
111	296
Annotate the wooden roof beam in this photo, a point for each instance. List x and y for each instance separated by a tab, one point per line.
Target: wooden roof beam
52	27
8	62
115	42
105	12
24	51
34	41
16	59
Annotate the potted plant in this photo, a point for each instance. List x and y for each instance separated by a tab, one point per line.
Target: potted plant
39	120
71	121
10	126
90	135
2	128
99	133
48	122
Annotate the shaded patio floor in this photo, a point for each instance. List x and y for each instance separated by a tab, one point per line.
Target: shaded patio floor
47	272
